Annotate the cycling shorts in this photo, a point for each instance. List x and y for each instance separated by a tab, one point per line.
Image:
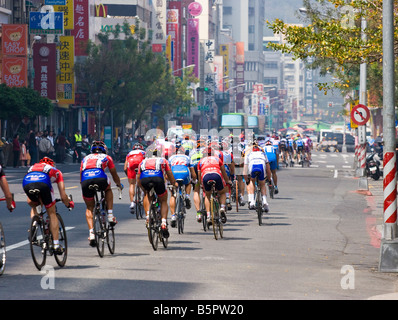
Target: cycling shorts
131	174
220	183
103	185
272	161
300	148
258	169
181	172
156	182
46	193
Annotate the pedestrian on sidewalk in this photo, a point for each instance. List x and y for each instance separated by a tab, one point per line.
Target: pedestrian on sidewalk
16	149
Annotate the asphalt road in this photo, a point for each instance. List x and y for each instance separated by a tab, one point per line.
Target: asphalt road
314	244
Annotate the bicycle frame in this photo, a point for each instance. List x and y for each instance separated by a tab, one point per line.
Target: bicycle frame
155	222
180	207
215	213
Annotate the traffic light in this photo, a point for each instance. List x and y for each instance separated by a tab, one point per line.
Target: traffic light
206	89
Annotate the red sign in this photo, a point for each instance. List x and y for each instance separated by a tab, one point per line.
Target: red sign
80	31
195	9
44	64
360	114
173	28
14	71
15	40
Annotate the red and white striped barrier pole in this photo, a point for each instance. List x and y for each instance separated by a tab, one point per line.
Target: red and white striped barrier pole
390	195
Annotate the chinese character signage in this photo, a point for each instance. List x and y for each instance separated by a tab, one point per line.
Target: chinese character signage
80	31
159	25
172	30
193	45
46	22
240	75
224	51
44	63
65	78
68	11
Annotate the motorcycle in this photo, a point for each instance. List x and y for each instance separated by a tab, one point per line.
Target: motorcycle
373	165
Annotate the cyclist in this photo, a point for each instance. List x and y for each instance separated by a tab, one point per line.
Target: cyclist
308	146
196	155
152	171
229	168
92	171
133	160
272	159
168	148
6	190
256	161
299	143
187	144
211	167
40	176
182	168
283	145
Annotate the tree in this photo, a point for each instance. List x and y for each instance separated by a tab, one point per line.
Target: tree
17	103
333	39
125	77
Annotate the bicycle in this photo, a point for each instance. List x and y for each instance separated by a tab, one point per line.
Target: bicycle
180	207
154	224
41	239
103	230
3	249
216	223
139	207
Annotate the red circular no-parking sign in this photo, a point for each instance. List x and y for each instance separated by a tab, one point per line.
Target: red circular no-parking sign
360	114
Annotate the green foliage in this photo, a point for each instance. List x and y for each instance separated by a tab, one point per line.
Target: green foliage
22	102
332	36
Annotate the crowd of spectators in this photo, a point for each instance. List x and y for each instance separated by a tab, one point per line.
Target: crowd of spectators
25	151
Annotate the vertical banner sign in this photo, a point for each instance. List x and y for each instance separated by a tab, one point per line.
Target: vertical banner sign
14	71
68	11
15	40
172	31
66	78
309	97
45	65
80	31
240	75
176	5
218	71
193	45
224	51
159	25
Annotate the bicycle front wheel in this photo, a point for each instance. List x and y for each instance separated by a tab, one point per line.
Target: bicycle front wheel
38	246
99	234
63	242
2	250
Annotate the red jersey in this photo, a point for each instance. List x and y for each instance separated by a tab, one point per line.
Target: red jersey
210	164
97	161
54	174
133	159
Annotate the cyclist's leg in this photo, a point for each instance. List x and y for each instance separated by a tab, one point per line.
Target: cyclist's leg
54	224
132	184
109	205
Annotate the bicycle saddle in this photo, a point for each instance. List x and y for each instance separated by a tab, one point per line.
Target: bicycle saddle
211	182
94	186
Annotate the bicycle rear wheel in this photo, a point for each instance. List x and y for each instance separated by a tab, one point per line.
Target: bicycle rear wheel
99	233
110	239
259	208
2	250
61	259
214	216
180	215
37	243
153	233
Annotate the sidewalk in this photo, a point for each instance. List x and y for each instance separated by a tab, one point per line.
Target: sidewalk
375	202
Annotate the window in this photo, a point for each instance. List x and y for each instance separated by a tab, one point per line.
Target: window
227	10
270	80
271	65
251	29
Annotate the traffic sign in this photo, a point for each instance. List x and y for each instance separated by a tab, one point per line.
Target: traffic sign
360	114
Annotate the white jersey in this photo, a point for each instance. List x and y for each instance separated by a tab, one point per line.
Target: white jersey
256	158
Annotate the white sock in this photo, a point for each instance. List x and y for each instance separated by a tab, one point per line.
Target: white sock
265	200
132	204
251	197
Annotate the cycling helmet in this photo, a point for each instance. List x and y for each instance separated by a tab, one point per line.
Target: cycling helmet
138	146
48	161
99	147
256	148
268	142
